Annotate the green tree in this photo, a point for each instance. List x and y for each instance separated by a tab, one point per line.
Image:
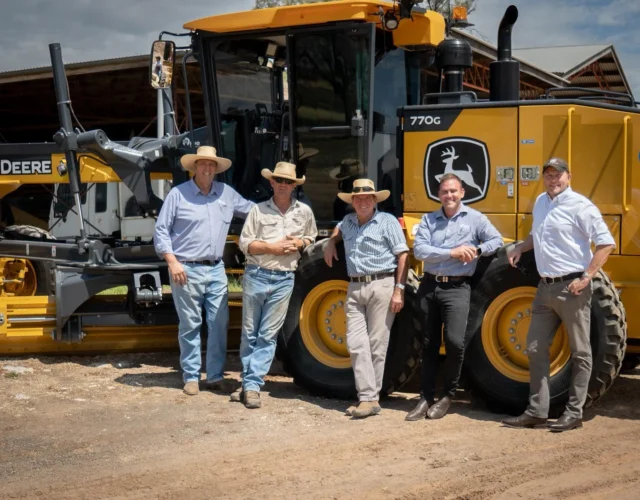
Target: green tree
265	4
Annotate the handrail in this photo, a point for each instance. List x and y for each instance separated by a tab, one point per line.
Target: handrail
569	152
625	163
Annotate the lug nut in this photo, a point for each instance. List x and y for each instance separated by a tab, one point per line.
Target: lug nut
328	330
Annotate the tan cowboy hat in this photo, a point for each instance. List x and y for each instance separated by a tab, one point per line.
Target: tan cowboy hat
205	153
348	168
283	170
303	154
364	186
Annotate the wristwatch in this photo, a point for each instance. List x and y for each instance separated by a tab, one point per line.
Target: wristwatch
478	251
400	286
585	275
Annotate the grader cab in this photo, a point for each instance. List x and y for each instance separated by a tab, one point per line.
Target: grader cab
340	89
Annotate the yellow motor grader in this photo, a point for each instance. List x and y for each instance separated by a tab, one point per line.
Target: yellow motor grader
350	89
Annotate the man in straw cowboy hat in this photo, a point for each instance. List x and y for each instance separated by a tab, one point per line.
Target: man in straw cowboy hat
190	235
376	253
449	242
273	238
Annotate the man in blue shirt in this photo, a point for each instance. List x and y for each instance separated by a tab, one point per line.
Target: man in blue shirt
564	225
190	235
376	253
449	241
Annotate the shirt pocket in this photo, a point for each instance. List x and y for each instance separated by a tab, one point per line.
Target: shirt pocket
270	229
225	213
464	234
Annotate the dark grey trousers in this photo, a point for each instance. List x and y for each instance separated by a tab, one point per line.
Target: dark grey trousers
552	305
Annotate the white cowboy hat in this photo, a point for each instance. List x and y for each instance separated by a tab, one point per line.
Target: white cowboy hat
205	153
348	168
303	154
364	186
283	170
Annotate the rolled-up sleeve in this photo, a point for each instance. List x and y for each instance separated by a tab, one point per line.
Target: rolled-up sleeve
241	206
422	248
310	229
164	223
490	238
593	225
249	230
395	237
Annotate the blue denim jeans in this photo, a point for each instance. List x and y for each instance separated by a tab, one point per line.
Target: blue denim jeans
206	286
265	300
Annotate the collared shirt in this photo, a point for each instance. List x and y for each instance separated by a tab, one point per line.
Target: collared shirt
563	229
373	247
437	236
266	223
194	226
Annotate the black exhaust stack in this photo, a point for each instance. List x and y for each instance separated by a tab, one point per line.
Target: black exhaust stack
505	72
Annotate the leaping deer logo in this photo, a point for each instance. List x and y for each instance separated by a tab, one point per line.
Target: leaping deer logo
465	176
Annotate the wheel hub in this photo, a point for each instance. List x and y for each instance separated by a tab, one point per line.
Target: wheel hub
323	323
504	335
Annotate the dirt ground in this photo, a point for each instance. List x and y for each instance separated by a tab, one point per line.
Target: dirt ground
119	427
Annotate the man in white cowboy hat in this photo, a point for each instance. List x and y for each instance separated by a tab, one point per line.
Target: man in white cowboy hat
376	253
273	238
190	235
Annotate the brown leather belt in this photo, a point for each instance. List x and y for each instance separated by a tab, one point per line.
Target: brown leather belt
370	277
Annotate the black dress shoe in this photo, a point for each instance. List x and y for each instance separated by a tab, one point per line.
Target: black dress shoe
439	409
525	421
419	412
565	423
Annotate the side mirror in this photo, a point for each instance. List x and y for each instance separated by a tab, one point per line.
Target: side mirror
163	56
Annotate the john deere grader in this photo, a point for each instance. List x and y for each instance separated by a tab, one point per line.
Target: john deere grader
345	89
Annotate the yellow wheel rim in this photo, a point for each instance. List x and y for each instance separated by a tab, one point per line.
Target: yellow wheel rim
504	335
323	324
19	277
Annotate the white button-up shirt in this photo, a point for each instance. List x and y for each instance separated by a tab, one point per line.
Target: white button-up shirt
563	229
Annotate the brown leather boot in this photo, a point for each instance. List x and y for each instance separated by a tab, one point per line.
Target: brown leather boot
366	409
191	388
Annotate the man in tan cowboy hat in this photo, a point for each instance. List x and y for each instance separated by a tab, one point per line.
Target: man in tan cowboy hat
190	235
273	238
376	253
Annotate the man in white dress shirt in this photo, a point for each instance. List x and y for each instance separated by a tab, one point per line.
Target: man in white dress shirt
564	225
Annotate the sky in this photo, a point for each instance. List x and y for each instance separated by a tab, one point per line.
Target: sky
90	29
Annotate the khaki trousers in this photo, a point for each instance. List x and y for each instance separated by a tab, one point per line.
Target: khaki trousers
554	304
369	320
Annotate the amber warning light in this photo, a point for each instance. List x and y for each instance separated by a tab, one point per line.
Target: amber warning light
459	13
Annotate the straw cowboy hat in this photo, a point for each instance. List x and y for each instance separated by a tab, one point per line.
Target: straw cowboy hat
364	186
283	170
303	154
348	168
205	153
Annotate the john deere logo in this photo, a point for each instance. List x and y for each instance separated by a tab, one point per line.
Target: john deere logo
464	157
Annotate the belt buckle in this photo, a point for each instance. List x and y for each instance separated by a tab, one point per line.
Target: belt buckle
367	278
442	279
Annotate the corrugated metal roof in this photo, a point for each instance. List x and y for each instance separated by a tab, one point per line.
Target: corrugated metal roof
562	59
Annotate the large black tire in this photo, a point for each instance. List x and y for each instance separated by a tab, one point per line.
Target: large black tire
608	340
319	378
45	278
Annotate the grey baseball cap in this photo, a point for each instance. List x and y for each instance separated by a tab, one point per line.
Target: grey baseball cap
558	163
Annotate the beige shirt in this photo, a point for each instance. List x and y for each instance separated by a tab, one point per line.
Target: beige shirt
266	223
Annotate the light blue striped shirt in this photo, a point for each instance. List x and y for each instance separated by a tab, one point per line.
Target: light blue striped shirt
373	247
437	236
194	226
563	229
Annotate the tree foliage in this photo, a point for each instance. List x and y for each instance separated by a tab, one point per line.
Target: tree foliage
265	4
